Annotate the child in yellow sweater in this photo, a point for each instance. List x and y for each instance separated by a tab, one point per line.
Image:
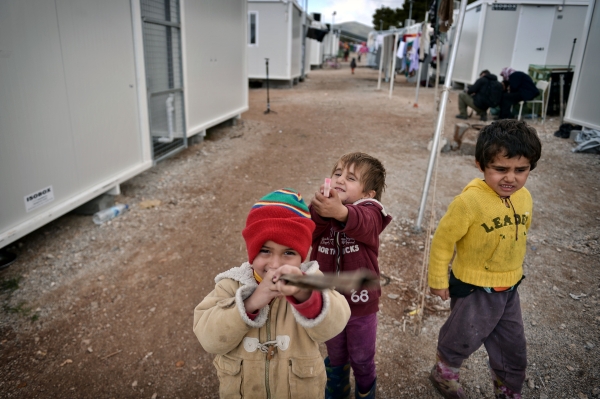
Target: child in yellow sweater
487	224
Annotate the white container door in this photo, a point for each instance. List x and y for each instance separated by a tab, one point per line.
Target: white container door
533	37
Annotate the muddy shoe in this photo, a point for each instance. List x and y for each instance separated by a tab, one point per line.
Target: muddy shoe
446	380
502	391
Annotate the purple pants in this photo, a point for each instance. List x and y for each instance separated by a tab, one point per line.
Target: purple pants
493	320
357	345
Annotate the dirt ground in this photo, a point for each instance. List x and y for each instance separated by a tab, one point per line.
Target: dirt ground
106	311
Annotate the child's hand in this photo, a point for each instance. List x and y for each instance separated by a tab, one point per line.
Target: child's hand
263	294
300	294
330	207
443	293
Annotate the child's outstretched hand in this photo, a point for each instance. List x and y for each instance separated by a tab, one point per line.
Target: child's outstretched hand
330	207
443	293
299	294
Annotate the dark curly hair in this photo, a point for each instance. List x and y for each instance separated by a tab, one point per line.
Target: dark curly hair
509	138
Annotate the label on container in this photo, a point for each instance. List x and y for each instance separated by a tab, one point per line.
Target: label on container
504	7
39	198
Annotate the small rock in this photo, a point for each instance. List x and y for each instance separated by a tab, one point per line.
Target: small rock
558	249
154	396
134	384
570	368
68	361
533	323
180	363
90	350
531	383
49	256
562	326
554	288
543	396
100	278
582	395
589	345
152	309
393	296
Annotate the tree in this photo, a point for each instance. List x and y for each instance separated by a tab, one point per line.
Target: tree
385	17
396	17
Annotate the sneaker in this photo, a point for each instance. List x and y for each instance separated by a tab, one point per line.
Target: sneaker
461	116
446	380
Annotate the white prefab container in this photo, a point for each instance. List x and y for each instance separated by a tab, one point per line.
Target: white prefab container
275	33
584	97
70	115
316	47
517	34
214	57
82	107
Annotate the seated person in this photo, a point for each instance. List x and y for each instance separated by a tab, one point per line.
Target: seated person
485	93
518	87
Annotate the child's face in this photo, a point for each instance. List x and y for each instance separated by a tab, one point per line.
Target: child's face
273	255
506	175
346	181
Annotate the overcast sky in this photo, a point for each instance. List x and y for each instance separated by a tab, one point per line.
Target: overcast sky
348	10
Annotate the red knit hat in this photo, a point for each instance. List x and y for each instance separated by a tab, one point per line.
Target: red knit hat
282	217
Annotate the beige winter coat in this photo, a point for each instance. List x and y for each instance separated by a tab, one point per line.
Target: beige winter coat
276	355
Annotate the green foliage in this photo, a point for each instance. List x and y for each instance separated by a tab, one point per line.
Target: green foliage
10	284
395	17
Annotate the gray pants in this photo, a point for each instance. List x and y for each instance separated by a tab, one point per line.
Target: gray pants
493	320
466	100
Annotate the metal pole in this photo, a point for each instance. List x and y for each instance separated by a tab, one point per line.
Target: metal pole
393	64
561	99
438	66
381	51
571	57
410	10
421	53
441	113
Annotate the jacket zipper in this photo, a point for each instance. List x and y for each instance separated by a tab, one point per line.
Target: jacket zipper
266	359
338	253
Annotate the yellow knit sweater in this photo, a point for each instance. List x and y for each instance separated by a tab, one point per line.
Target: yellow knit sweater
490	238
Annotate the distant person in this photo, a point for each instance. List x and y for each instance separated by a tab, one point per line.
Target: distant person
487	224
266	333
346	54
485	93
353	65
518	87
349	222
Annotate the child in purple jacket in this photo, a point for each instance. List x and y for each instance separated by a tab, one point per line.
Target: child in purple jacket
346	238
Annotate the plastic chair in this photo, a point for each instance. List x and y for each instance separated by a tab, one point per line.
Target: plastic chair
543	86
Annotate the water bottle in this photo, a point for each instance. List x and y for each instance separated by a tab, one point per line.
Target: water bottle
107	214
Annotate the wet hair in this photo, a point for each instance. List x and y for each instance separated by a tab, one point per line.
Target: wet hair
372	172
509	138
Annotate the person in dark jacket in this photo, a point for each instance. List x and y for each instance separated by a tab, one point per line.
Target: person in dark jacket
485	93
353	65
518	87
